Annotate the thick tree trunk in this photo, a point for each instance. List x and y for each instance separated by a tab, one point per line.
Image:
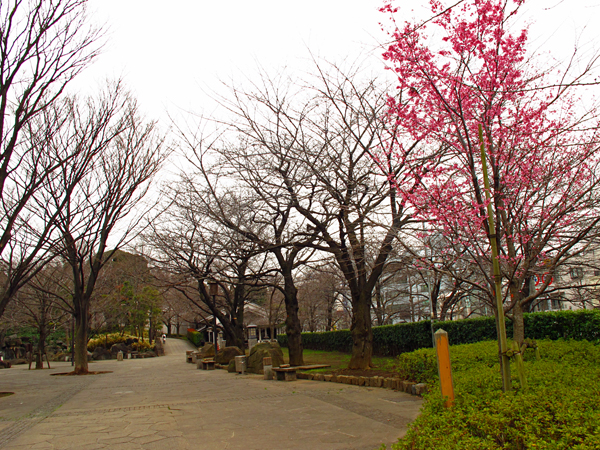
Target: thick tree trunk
362	333
292	323
39	361
234	335
82	328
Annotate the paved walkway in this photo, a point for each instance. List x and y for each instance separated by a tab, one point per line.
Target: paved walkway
165	403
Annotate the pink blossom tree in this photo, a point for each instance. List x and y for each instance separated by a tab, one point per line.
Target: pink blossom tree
540	143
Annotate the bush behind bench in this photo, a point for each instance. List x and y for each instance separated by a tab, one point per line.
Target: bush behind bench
392	340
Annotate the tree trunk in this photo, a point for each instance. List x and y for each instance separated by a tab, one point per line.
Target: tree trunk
39	361
330	315
234	334
82	328
292	323
518	324
293	329
379	307
362	334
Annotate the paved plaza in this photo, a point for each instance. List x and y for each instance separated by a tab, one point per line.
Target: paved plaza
165	403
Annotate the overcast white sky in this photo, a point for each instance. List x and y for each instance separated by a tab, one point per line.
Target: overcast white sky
170	52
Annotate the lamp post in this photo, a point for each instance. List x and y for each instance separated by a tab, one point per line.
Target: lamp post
213	289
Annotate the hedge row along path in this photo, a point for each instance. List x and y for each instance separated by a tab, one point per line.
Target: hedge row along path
162	403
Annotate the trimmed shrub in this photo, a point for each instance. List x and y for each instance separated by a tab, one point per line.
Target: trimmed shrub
392	340
340	341
195	337
578	325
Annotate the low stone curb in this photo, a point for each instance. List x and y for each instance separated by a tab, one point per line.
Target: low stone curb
382	382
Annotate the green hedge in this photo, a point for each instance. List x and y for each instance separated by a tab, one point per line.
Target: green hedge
195	338
391	340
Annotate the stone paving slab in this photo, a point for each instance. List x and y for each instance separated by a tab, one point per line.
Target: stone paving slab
165	403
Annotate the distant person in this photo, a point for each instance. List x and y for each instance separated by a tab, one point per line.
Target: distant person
164	338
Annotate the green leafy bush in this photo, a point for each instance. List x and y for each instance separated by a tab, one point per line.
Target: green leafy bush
142	346
581	324
195	337
419	366
108	340
332	341
559	410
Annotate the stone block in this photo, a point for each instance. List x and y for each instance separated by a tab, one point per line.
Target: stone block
328	377
267	371
419	389
254	363
318	377
226	354
286	375
407	386
362	381
341	378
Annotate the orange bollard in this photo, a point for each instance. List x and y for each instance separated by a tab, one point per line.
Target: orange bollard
444	367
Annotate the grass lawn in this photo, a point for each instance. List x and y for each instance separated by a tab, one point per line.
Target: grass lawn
339	361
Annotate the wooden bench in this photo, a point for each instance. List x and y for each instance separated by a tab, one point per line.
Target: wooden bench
188	355
208	364
288	373
285	373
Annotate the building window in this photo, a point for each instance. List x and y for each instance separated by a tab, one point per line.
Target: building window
556	304
576	273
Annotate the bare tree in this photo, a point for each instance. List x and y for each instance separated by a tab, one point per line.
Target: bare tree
322	144
194	251
266	218
318	297
37	305
43	46
128	152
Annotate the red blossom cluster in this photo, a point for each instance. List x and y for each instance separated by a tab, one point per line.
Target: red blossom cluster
467	67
